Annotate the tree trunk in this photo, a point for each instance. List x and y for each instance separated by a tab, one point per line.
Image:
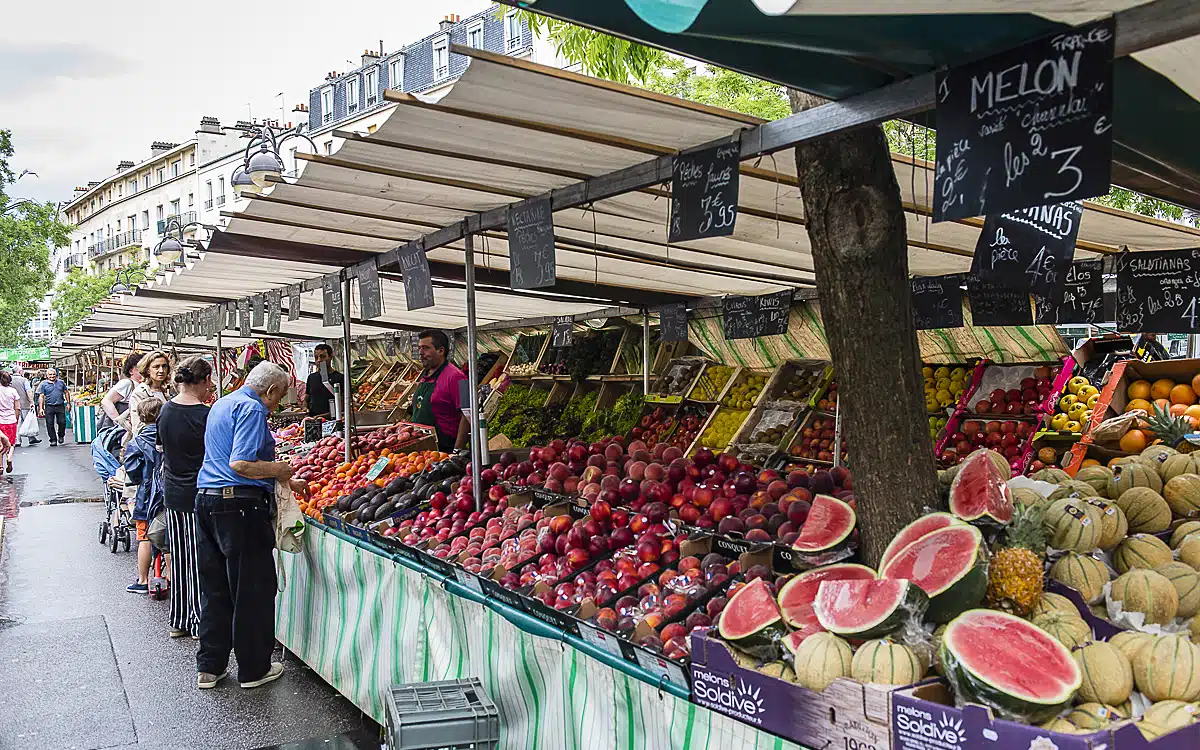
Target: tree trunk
860	249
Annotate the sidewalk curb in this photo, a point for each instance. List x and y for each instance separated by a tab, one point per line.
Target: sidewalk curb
1	537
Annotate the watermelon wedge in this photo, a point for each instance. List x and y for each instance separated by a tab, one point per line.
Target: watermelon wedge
798	594
868	609
829	523
999	660
751	621
949	565
980	490
792	640
916	530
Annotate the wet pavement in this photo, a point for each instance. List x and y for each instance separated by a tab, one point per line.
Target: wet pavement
85	665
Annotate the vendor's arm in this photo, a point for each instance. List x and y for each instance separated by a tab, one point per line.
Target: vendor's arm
464	432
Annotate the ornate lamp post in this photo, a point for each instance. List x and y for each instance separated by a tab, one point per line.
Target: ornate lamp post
263	164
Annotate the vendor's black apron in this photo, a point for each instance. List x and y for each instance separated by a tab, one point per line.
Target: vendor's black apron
422	410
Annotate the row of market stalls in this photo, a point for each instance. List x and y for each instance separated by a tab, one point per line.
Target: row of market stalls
365	605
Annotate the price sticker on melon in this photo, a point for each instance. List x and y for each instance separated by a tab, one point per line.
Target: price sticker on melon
378	468
601	640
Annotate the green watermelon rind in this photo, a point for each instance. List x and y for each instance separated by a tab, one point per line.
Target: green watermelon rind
833	542
795	580
897	545
962	593
911	604
763	642
975	688
985	515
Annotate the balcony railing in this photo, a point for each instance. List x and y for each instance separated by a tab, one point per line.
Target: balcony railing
115	243
208	204
184	218
220	200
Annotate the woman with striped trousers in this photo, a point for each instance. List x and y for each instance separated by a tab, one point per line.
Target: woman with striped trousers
181	435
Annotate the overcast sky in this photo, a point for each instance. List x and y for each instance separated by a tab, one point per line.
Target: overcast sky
84	85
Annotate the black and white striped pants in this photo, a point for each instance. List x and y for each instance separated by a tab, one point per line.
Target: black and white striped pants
185	572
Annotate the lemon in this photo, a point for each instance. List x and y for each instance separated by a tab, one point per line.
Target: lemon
1087	392
1059	421
941	372
927	372
1073	427
1066	402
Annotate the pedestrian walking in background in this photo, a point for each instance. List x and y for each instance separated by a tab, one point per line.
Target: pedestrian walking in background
235	534
116	402
25	391
155	369
142	458
53	399
181	434
10	416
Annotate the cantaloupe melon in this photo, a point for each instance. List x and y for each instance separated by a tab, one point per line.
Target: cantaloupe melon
1092	717
1168	669
1189	550
1181	531
1171	714
1133	474
1113	527
1156	455
1084	573
1150	731
1143	590
1182	493
1141	551
1068	629
1194	629
1073	525
1027	497
1053	476
1130	642
821	659
1060	725
886	662
1072	488
1186	581
1052	602
1107	673
1183	463
1097	476
1145	510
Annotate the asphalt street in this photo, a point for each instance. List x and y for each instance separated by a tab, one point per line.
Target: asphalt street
85	665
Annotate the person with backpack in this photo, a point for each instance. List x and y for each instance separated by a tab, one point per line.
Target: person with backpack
142	459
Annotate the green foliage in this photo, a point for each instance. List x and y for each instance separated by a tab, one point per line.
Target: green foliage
28	231
718	87
618	420
910	139
79	292
1128	200
598	54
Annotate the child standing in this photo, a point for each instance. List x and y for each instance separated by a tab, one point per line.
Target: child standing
142	459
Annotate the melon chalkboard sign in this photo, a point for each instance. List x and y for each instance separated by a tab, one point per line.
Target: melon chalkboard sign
751	317
1079	300
937	301
1028	249
704	192
1157	292
993	305
274	309
1026	127
531	244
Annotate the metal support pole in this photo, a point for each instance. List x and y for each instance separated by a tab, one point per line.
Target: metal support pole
475	444
219	357
347	419
645	350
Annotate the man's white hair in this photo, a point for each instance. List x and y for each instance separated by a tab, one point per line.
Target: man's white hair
267	374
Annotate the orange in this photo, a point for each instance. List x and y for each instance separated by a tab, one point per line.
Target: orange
1196	384
1178	410
1139	403
1193	411
1183	394
1162	403
1139	389
1089	462
1133	441
1161	388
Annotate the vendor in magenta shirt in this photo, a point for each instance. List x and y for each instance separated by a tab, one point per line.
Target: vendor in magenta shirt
435	399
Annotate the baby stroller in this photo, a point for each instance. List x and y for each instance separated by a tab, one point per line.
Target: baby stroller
117	526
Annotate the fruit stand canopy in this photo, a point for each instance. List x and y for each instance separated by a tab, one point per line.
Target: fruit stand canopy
509	130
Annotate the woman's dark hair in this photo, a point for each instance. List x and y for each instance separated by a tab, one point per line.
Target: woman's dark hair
131	363
193	370
5	378
437	338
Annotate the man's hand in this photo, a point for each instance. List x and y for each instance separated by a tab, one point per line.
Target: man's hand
299	486
283	471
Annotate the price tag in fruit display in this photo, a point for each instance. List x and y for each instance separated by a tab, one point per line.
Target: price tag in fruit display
378	468
1158	291
660	666
1079	300
1028	126
936	301
1028	249
561	334
992	305
704	192
468	580
606	642
751	317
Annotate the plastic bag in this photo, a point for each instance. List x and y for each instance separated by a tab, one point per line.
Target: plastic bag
1114	428
29	426
289	521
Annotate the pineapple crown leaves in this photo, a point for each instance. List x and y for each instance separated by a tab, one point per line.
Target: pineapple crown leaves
1026	530
1170	430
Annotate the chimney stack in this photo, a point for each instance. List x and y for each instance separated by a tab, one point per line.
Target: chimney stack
123	165
210	125
448	22
161	147
369	57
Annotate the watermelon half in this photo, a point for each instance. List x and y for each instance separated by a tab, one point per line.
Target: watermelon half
916	530
797	595
868	609
999	660
980	491
949	565
829	523
751	621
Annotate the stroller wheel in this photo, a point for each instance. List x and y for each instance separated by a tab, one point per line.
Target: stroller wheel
103	532
112	541
125	541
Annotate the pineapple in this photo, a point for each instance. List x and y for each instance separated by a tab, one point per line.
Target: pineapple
1015	572
1168	429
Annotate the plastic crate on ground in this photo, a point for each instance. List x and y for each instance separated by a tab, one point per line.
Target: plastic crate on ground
454	714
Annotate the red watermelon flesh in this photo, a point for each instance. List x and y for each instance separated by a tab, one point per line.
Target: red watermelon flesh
797	595
749	611
867	609
1013	656
980	489
914	531
938	560
796	637
828	524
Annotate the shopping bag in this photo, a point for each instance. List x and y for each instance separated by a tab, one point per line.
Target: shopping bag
289	521
67	421
29	426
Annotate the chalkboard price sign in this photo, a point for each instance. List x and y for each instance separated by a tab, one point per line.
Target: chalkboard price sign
561	332
418	285
1157	292
1026	127
704	192
1079	300
673	322
937	301
331	300
531	244
389	344
231	315
993	305
414	346
258	310
274	309
294	302
160	331
370	299
244	317
1028	249
751	317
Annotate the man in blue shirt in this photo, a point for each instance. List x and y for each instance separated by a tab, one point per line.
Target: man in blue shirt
53	399
235	533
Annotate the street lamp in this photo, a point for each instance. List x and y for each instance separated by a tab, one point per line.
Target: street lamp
264	167
125	281
242	183
171	247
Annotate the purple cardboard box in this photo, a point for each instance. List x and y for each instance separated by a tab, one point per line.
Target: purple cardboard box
848	715
924	718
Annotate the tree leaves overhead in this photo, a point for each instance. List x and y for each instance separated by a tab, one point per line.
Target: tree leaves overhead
598	54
